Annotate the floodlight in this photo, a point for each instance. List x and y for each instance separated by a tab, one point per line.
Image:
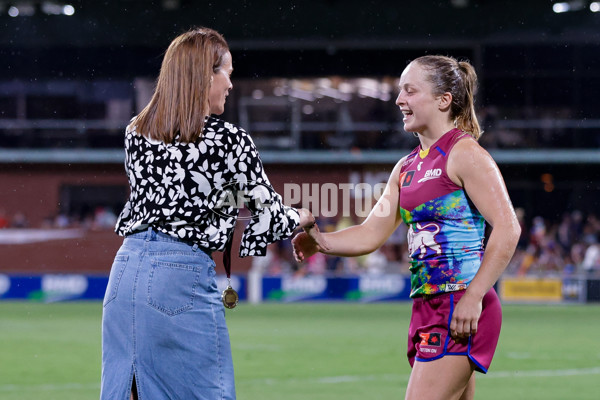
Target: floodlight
561	7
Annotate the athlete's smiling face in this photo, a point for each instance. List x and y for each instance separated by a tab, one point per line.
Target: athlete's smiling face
416	100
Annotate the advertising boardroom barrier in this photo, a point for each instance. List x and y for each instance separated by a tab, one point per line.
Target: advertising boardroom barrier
359	288
256	288
531	289
71	287
582	289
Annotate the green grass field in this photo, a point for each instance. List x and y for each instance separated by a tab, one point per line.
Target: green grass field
310	351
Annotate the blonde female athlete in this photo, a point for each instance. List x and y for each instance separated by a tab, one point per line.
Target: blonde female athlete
444	190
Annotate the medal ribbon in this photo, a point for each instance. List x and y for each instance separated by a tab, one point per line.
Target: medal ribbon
229	297
227	255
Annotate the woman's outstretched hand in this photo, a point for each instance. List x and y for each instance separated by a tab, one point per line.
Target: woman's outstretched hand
309	242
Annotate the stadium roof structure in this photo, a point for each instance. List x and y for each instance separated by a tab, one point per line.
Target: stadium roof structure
125	39
268	24
109	156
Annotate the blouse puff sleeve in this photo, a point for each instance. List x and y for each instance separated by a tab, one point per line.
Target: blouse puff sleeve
270	220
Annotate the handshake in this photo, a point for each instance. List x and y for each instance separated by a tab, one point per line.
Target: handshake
310	241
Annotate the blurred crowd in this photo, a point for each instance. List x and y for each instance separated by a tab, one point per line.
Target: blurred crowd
566	247
99	218
391	258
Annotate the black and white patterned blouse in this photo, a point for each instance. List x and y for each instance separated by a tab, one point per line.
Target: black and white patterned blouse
194	191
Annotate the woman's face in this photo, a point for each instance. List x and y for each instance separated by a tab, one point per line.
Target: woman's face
220	86
416	99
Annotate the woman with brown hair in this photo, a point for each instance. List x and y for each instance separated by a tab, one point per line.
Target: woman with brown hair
164	334
444	190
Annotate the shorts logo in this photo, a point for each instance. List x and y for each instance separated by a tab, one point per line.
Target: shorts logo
406	178
431	174
431	339
453	287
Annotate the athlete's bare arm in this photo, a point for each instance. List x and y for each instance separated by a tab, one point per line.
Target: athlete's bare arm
471	167
361	239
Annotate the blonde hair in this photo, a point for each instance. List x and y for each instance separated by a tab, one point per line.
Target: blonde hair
180	102
460	80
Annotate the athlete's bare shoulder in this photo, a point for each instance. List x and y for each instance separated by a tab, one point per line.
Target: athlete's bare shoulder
466	158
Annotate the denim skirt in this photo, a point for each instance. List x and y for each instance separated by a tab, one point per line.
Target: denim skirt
163	323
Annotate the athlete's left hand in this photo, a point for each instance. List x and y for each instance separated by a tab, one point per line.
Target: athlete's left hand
465	317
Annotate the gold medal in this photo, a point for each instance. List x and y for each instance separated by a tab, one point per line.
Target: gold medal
230	297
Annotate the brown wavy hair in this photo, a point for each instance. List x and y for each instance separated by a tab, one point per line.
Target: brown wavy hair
180	103
460	80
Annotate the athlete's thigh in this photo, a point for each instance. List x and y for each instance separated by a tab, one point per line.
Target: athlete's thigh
442	379
469	393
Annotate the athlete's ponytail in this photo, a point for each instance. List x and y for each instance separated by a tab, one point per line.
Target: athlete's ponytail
460	80
466	119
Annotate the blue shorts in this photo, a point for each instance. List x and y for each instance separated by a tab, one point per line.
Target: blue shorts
164	323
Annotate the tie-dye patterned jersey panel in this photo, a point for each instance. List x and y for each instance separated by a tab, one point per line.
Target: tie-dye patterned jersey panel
446	231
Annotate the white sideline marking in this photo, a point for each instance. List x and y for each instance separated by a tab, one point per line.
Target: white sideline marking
48	387
359	378
543	373
525	356
325	380
260	347
391	377
518	356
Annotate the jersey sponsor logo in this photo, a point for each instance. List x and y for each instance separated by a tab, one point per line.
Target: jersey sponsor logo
64	284
431	174
406	178
419	166
428	350
453	287
303	285
431	339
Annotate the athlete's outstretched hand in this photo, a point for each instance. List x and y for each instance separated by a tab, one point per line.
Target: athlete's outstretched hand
309	242
465	317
